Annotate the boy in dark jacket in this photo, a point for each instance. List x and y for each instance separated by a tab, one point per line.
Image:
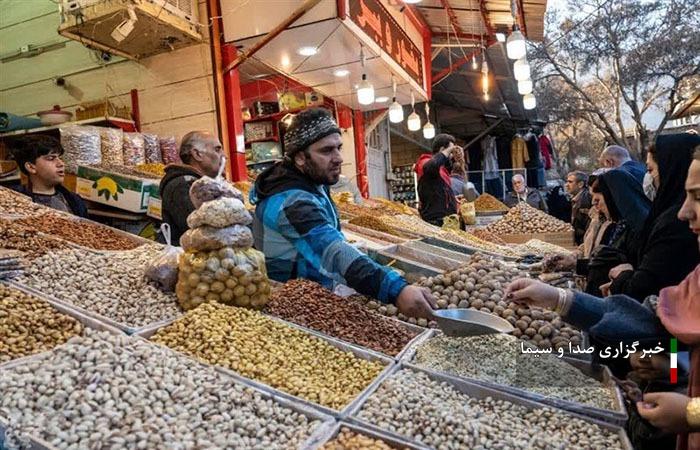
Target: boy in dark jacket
39	158
200	151
434	184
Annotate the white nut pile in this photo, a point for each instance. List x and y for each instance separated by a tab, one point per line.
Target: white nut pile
112	285
523	218
434	413
114	392
499	359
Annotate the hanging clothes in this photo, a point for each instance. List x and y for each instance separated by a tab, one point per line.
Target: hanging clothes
503	150
474	156
518	152
490	157
535	166
546	151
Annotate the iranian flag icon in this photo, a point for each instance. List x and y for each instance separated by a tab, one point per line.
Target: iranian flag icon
674	361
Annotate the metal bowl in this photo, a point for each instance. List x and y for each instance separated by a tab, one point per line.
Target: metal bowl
468	322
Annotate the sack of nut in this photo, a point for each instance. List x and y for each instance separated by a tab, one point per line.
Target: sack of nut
219	263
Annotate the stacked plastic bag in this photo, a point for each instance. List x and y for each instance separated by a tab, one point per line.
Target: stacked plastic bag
219	263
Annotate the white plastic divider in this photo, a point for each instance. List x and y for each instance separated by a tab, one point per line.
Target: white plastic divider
477	391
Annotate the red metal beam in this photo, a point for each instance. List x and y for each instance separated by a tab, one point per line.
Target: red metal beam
466	36
444	73
416	18
521	17
135	111
485	16
360	153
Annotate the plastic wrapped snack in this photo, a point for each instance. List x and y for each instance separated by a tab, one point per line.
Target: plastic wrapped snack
82	146
151	148
211	238
206	189
168	150
232	276
220	213
134	153
112	143
163	269
468	212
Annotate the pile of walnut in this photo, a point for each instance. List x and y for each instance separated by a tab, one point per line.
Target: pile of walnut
523	218
481	284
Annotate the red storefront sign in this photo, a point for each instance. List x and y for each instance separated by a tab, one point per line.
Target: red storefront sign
380	25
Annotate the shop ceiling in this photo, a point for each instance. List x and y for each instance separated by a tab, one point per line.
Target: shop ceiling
458	28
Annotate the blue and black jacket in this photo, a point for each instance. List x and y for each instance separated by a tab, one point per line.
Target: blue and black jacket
296	226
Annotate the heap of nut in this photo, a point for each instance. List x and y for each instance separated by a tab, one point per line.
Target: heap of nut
14	203
85	233
538	247
486	236
437	414
523	218
30	325
480	285
350	440
111	285
15	236
498	358
219	263
309	304
107	391
487	202
271	352
470	240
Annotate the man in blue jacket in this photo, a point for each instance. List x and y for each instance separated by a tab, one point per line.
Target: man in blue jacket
296	223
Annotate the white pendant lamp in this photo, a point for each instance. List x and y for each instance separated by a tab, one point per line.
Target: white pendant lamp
365	90
428	128
521	69
395	110
413	121
525	86
515	44
529	101
475	64
485	78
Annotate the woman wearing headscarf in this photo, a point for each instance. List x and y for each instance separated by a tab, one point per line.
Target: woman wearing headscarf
667	249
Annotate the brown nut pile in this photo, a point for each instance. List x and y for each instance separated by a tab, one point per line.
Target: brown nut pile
523	218
486	236
271	352
487	202
349	440
391	311
311	305
83	233
377	223
14	236
481	284
14	203
470	240
29	325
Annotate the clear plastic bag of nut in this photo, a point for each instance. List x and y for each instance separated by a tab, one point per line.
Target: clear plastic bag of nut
235	277
163	270
207	189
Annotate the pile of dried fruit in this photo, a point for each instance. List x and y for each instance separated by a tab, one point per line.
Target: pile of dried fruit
311	305
486	236
87	234
468	239
481	284
271	352
152	169
349	440
537	247
377	223
14	203
14	236
487	202
523	218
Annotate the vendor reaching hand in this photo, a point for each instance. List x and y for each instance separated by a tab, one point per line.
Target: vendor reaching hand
296	223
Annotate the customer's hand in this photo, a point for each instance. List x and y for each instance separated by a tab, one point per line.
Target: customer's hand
532	293
559	262
666	411
605	288
418	302
617	270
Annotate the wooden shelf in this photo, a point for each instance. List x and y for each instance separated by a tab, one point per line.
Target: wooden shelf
273	117
117	122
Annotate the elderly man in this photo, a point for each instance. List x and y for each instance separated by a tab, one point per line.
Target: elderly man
522	193
200	152
297	226
614	157
576	187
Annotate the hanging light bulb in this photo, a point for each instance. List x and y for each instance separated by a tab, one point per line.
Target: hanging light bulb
529	101
413	121
485	79
515	44
395	110
524	86
365	90
475	63
428	128
521	69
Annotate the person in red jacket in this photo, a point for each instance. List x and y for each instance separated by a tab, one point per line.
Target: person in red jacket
436	199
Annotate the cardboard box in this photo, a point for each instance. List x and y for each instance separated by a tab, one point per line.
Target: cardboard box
120	191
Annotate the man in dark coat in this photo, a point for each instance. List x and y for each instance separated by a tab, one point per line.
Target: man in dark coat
577	188
616	157
200	152
434	183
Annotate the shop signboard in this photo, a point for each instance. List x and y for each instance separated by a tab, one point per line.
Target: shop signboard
378	23
113	189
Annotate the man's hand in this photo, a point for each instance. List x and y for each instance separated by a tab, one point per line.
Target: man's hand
666	411
532	293
416	302
617	270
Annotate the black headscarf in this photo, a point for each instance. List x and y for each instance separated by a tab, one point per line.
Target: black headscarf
624	198
673	153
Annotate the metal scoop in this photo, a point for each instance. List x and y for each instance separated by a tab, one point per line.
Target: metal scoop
469	322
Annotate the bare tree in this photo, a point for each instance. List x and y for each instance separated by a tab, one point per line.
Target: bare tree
613	61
